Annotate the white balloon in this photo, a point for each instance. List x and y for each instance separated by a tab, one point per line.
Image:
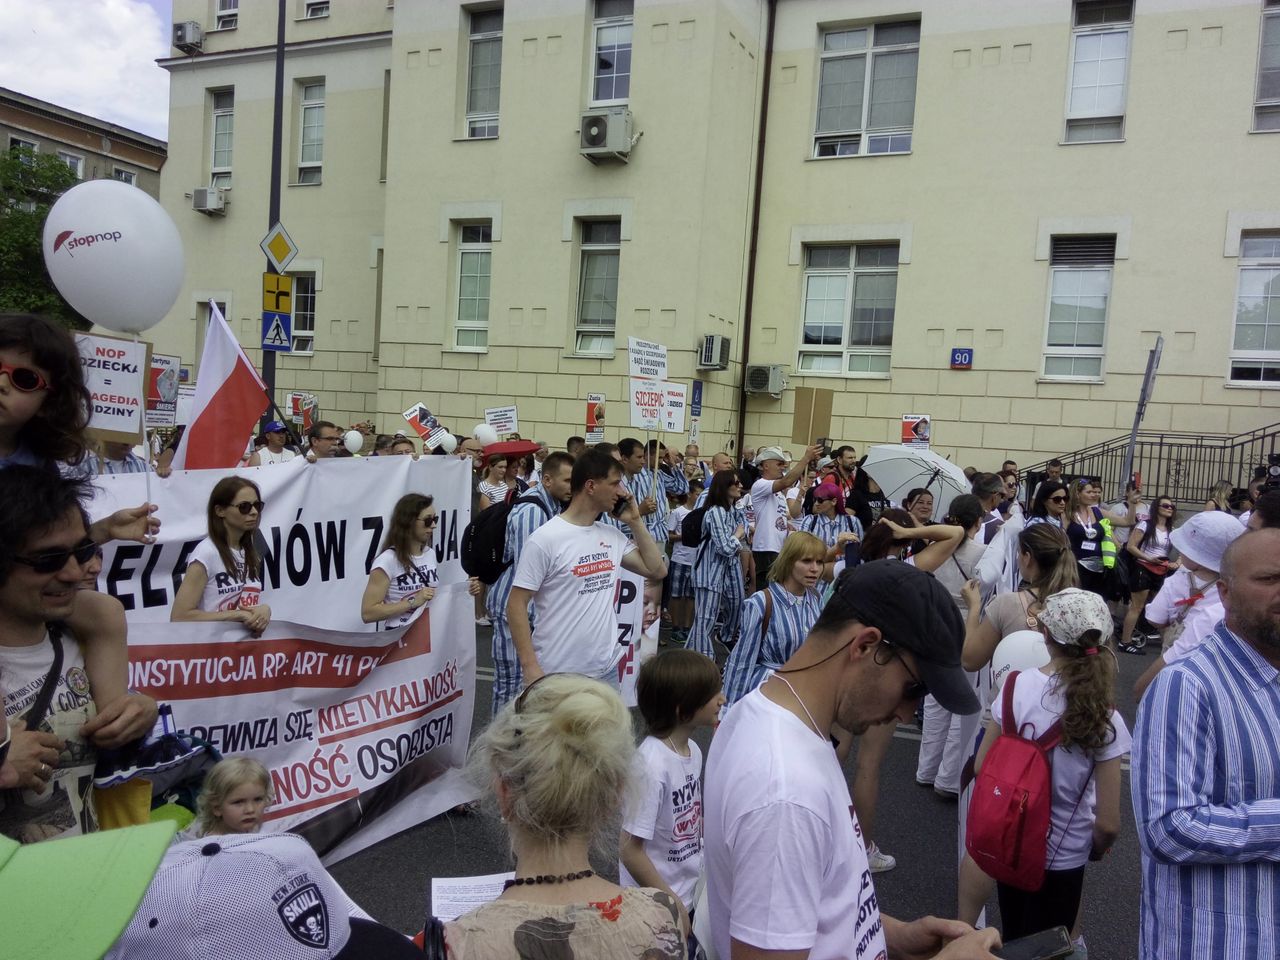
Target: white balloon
1020	650
114	254
353	441
449	443
485	434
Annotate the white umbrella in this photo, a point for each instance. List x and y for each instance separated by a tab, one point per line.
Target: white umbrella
899	470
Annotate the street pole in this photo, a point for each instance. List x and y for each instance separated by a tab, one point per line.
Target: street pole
1148	384
273	214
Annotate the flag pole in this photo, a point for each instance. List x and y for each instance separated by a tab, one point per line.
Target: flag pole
146	444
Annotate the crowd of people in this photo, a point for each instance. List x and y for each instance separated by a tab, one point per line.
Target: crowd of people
810	612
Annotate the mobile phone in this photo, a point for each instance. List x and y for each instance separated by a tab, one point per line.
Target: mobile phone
618	506
1046	945
852	554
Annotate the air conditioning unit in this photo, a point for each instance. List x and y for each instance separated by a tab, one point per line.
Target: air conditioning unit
714	353
765	378
210	200
606	133
188	37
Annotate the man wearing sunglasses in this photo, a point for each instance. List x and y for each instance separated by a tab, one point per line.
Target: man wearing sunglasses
787	870
44	547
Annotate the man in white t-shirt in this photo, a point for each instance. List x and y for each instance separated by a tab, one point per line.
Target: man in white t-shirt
769	505
569	569
787	870
275	451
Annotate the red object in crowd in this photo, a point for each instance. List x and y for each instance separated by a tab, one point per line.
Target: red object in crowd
230	398
511	448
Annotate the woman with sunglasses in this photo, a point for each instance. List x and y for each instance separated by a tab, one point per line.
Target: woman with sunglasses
1050	504
718	576
223	580
1084	528
403	578
1149	548
828	521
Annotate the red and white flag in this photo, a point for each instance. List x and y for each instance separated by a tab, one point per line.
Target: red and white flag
230	398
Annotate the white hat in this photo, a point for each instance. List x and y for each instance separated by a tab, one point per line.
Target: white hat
245	896
1205	537
769	453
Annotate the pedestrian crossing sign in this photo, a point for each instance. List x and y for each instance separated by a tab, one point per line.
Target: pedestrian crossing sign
276	334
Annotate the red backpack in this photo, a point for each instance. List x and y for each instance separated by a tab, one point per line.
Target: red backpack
1007	832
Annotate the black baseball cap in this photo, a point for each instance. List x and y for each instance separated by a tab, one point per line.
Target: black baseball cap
913	611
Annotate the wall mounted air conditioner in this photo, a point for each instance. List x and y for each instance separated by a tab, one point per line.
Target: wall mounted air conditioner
210	200
188	36
764	378
713	353
606	133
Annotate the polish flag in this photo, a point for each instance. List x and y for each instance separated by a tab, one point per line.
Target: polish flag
230	398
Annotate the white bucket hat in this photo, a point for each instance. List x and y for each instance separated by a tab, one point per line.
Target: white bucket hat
1205	537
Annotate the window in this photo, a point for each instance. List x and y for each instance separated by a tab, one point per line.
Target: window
1079	291
17	145
224	102
1266	114
1099	64
74	161
484	74
304	312
474	259
228	14
124	176
316	8
598	286
311	156
611	76
867	90
1255	347
850	294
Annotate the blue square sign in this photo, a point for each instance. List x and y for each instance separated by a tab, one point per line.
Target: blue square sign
962	358
277	331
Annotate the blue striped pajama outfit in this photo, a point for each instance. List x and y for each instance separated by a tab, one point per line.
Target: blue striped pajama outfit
754	655
717	581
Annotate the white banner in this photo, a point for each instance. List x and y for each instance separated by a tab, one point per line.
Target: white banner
503	419
322	527
349	725
638	604
646	404
673	406
648	360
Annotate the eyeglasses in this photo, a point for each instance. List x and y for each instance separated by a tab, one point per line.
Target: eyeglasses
248	506
428	521
24	379
333	439
54	560
1058	499
916	689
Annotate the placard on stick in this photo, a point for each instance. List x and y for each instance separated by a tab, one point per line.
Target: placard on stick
116	371
812	418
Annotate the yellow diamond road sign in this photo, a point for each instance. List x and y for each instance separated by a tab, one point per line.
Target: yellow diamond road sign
279	247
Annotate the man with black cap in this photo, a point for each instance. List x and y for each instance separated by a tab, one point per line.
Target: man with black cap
787	871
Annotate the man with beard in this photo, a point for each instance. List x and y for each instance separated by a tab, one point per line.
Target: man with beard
1206	776
787	870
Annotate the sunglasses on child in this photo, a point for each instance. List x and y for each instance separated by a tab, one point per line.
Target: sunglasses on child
24	378
51	561
248	506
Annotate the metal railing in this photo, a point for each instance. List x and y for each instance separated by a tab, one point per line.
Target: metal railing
1184	466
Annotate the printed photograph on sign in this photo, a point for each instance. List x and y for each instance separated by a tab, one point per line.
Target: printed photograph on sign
595	417
117	373
915	430
162	391
422	420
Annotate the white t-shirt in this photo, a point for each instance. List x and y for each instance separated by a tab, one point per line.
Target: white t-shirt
404	583
1199	618
680	553
1159	545
265	456
1038	700
573	570
770	510
222	591
1121	509
786	862
65	807
667	814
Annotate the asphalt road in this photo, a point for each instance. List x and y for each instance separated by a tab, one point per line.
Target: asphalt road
392	880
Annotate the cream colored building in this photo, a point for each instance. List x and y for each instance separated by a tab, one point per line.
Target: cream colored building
1048	184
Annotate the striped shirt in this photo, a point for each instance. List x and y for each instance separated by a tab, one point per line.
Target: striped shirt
1206	799
94	465
642	486
754	656
717	556
523	519
827	529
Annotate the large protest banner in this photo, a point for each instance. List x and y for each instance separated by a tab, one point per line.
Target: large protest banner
638	604
364	734
322	527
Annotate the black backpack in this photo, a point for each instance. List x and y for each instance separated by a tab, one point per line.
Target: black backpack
484	541
691	527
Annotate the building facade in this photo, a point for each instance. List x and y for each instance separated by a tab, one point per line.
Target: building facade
488	200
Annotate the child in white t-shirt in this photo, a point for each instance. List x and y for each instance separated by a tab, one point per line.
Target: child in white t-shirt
661	844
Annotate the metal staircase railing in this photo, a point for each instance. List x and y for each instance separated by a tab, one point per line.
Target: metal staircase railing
1184	466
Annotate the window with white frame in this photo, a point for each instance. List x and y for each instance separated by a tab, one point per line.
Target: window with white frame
311	122
316	8
475	256
598	286
221	137
1099	68
850	296
611	74
484	74
74	161
304	312
1080	269
228	14
18	144
1266	111
124	176
867	89
1255	345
